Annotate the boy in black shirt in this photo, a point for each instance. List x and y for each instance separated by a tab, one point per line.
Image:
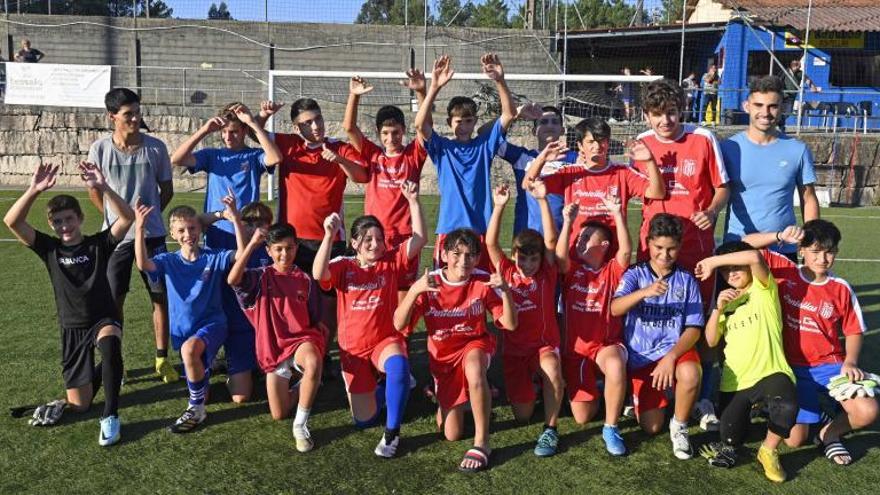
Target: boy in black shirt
77	267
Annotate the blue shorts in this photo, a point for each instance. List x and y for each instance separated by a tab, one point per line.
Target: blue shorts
812	381
213	335
241	351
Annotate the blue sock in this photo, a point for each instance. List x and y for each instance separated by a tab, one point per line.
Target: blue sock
710	373
396	390
198	390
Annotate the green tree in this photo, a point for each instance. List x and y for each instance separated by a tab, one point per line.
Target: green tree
453	13
599	14
392	12
220	12
671	10
124	8
491	14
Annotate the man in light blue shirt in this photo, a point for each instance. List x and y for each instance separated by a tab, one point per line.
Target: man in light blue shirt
765	168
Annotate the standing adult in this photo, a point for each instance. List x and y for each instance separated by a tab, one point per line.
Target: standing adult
27	54
691	89
792	83
711	80
765	168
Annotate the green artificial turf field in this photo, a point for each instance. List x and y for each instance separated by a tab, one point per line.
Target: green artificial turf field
241	450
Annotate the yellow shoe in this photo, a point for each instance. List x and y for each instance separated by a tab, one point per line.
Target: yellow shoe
769	460
166	371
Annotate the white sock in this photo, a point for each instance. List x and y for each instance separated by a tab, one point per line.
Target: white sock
674	423
301	418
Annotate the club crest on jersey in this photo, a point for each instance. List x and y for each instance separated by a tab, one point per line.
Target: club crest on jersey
245	166
783	163
678	293
301	296
206	274
689	167
613	190
826	310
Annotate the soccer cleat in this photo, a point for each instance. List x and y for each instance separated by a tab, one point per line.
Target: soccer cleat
303	438
387	449
166	371
613	441
681	443
705	412
547	444
189	420
769	460
110	427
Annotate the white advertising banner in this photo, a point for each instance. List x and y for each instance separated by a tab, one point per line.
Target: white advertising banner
57	85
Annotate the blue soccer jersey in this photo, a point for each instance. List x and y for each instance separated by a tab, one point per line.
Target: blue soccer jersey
463	179
194	290
763	180
527	213
653	327
239	170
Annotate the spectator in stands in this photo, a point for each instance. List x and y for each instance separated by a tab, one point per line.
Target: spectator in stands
711	80
691	89
627	92
28	54
792	80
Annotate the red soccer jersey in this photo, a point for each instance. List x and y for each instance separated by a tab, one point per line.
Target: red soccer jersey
535	299
383	197
587	294
587	187
284	309
366	299
692	168
456	315
310	187
813	314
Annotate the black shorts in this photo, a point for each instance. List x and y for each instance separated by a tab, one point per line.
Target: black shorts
78	353
119	269
308	248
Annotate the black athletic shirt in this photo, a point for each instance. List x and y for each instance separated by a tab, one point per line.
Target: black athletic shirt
79	277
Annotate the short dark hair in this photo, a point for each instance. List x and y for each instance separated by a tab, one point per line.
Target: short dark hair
116	98
733	247
821	232
466	237
597	225
255	212
767	84
280	231
549	108
390	116
461	106
182	212
597	127
665	225
363	223
63	202
661	95
528	242
303	105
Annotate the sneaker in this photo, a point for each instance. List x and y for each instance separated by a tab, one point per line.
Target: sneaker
705	412
189	420
613	441
413	383
548	442
681	443
629	412
769	460
387	449
166	371
109	435
303	438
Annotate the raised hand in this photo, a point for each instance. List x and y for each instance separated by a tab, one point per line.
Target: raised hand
637	150
329	154
141	213
410	190
269	108
704	269
426	283
258	236
555	150
44	177
91	175
230	210
612	205
529	111
492	67
791	234
358	86
501	195
442	72
658	288
570	212
332	223
496	281
214	124
243	113
415	80
725	296
538	189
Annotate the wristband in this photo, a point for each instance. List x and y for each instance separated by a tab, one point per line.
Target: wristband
777	237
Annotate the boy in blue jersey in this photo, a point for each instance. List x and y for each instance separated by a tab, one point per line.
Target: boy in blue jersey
664	319
194	278
548	128
463	162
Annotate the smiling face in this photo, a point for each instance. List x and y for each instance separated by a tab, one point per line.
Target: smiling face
738	277
66	224
817	259
233	135
528	264
462	126
663	251
391	137
128	119
369	245
186	231
311	126
763	110
283	252
460	262
548	128
665	123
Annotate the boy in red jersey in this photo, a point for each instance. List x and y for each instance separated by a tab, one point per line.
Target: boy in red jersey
594	177
366	286
533	348
282	304
454	300
696	190
817	307
593	337
389	165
